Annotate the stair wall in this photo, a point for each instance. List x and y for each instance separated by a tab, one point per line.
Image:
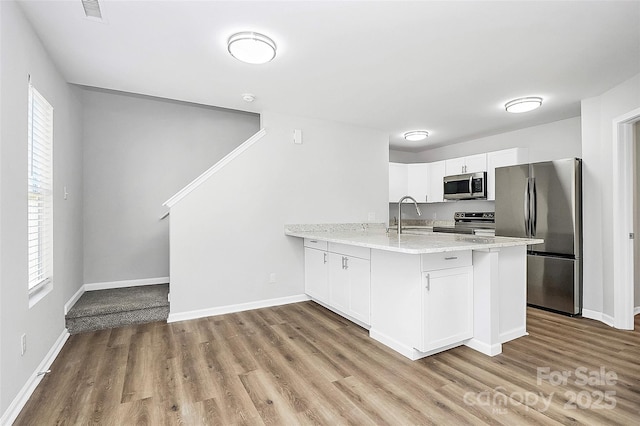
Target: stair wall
227	239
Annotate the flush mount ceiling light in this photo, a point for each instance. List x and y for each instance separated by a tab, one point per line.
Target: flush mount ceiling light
416	135
523	104
252	48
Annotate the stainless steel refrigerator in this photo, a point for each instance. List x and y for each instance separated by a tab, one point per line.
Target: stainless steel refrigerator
544	200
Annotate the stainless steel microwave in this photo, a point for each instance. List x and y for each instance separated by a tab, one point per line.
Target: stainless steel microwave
468	186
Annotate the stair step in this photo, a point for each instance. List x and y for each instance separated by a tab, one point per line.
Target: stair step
102	309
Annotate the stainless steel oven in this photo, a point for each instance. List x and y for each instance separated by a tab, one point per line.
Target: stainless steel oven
468	186
478	223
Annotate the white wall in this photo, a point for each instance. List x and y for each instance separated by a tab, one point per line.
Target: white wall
138	152
636	217
552	141
227	236
21	54
597	153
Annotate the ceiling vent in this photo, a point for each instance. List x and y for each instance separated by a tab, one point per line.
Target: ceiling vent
92	9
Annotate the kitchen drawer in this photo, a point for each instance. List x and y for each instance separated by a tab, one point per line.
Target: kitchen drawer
446	260
347	250
316	244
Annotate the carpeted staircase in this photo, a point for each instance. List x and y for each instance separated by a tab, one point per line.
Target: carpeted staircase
100	309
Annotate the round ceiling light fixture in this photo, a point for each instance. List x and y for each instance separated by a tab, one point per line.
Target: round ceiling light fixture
416	135
252	48
523	104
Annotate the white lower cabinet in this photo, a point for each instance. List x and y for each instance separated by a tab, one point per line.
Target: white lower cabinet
340	277
446	308
338	283
316	274
421	304
349	286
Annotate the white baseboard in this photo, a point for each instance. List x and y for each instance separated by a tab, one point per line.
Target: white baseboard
73	299
25	393
126	283
598	316
109	285
512	334
483	347
209	312
636	310
401	348
342	314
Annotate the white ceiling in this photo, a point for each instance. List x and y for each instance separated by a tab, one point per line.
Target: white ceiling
447	67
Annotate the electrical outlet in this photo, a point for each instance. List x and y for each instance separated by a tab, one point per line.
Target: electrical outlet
272	278
23	344
297	136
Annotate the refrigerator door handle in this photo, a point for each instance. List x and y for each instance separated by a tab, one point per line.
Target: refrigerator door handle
534	208
526	207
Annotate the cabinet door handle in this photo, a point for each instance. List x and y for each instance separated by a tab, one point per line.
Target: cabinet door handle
325	257
428	286
451	258
346	262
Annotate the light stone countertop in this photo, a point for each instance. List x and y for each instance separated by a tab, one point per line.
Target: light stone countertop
375	236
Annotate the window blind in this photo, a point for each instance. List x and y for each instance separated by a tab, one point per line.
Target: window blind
40	190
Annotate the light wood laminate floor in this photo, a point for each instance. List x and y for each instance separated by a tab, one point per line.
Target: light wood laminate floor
303	364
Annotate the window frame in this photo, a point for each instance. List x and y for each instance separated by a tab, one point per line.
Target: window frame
39	195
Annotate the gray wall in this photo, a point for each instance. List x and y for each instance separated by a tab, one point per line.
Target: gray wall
21	54
139	151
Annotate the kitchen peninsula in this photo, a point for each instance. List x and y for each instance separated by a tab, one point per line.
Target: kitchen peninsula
419	293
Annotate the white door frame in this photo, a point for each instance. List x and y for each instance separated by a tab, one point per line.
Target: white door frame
623	164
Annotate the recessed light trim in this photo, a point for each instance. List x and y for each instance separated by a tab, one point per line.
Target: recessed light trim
520	105
416	135
251	47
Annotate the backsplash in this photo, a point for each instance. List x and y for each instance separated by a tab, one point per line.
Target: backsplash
442	213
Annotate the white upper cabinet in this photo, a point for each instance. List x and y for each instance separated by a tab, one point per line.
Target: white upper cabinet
397	181
436	171
506	157
418	182
454	166
422	181
476	163
468	164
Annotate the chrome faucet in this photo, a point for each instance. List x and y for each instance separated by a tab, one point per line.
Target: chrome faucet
406	197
